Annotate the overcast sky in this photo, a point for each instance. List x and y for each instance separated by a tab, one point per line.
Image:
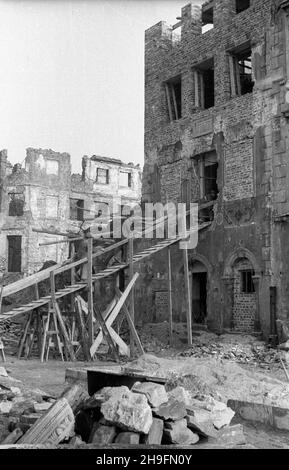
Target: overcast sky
72	75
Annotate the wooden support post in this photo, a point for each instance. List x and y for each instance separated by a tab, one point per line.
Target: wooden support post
90	292
82	330
107	334
131	324
72	272
188	295
55	306
130	247
170	297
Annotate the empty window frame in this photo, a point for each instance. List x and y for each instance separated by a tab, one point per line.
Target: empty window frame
76	209
207	18
247	283
174	98
241	71
125	179
16	204
204	78
207	171
242	5
102	176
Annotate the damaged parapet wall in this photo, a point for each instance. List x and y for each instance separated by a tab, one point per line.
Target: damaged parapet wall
44	195
216	130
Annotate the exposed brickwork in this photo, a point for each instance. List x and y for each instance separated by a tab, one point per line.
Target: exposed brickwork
250	136
244	311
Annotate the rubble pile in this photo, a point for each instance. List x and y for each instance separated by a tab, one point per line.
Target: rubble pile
261	355
147	414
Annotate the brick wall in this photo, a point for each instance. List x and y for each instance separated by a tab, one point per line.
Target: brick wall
244	304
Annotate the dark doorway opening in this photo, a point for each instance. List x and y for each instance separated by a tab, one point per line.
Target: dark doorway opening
14	254
199	297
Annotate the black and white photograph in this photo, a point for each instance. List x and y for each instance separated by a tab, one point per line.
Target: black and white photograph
144	229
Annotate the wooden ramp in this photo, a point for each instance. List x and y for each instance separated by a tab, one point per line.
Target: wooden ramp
38	277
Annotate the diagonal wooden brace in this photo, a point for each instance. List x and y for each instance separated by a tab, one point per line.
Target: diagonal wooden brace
112	315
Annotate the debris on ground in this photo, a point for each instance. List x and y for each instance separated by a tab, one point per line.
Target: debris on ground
148	413
221	379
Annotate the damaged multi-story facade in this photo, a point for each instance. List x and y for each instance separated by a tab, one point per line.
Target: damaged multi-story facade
217	133
43	198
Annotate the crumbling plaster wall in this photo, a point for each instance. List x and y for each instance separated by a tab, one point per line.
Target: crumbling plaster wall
47	186
240	129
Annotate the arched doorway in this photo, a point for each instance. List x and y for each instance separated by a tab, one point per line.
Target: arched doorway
245	298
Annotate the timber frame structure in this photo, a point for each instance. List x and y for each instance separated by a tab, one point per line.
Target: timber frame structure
97	322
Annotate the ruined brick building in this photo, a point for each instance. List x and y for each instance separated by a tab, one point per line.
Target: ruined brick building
44	195
216	133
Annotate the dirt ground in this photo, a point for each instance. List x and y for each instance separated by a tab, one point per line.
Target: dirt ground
226	366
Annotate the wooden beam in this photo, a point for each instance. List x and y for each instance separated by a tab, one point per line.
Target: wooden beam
51	232
28	281
175	102
169	102
90	292
83	332
55	306
170	297
131	324
188	296
130	246
112	316
68	240
105	330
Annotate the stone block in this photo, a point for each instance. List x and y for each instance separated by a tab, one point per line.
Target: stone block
3	372
155	434
156	394
5	407
39	407
172	410
231	435
177	432
222	418
101	434
181	394
129	411
53	427
201	423
30	418
127	438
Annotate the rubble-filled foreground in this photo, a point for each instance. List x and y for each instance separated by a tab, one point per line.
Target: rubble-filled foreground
147	414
